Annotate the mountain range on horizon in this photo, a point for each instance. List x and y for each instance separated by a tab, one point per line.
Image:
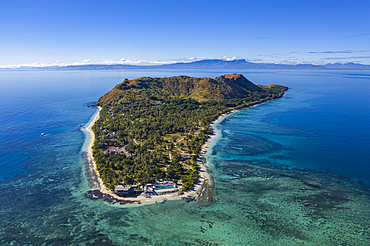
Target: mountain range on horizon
215	64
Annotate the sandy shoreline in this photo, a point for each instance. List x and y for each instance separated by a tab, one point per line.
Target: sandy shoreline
102	187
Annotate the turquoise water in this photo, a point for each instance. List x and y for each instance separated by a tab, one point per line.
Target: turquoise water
288	172
164	187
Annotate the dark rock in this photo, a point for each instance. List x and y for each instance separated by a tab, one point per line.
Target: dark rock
189	198
94	194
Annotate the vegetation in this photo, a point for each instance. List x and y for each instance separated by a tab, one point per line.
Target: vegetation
153	128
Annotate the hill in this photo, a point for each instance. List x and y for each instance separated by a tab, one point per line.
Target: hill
215	64
201	89
152	129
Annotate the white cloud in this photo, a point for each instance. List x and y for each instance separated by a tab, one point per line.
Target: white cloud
121	61
274	58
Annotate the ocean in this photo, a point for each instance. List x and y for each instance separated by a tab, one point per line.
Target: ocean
287	172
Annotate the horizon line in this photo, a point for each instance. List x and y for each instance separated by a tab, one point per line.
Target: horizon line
146	63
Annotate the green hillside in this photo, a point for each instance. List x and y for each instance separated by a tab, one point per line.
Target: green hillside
153	128
201	89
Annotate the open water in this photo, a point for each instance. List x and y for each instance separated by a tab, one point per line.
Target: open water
292	171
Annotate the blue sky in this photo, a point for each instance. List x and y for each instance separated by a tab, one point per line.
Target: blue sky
78	32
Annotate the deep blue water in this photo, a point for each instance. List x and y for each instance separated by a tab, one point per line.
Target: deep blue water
322	123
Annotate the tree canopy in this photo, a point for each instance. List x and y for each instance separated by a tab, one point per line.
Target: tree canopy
153	128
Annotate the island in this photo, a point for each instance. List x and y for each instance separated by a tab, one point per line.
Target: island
149	132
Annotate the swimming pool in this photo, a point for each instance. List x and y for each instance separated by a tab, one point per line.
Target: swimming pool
164	187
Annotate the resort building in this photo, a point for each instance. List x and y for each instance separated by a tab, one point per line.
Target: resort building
125	189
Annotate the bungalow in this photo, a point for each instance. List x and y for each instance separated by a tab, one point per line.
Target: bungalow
112	151
125	189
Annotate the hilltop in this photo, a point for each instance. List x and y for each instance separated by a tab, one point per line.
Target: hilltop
201	89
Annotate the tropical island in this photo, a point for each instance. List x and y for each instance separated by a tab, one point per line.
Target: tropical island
150	131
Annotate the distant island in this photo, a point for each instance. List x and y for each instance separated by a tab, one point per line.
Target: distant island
213	64
150	131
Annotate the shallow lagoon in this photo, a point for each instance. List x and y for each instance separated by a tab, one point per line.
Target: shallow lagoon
284	172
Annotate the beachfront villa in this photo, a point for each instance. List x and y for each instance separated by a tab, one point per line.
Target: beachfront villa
158	188
126	189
